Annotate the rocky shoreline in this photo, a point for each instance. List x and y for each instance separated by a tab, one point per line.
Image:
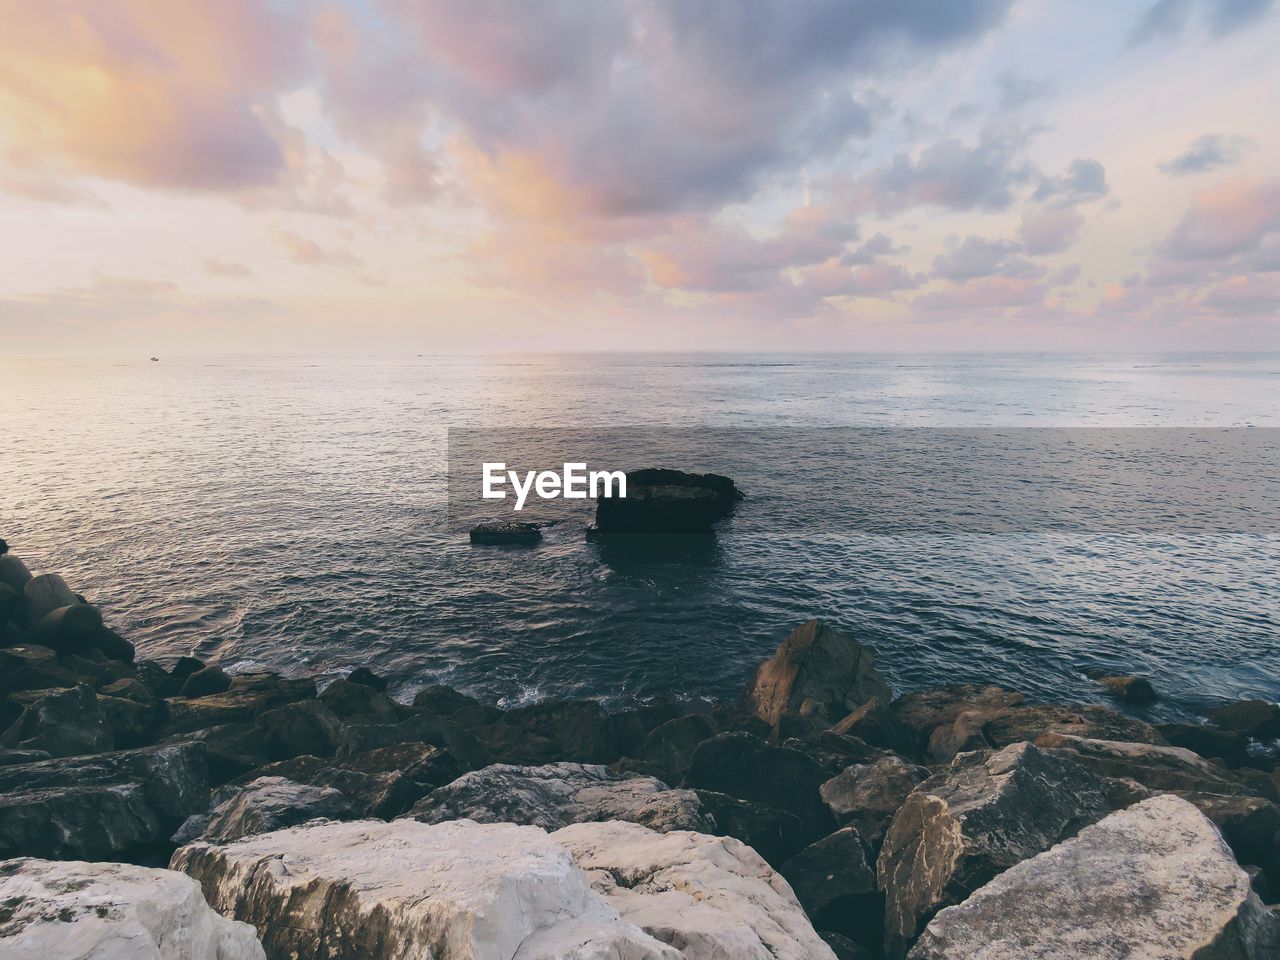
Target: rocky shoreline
175	811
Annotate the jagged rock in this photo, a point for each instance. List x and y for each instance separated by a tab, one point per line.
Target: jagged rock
112	911
184	667
382	794
265	804
232	749
746	767
835	752
506	532
666	501
9	758
843	947
249	696
1154	766
962	826
423	763
1251	826
130	688
366	677
867	796
1136	690
29	666
448	704
62	722
557	795
875	724
924	711
580	729
774	834
670	746
156	679
406	889
133	723
305	728
711	897
1254	718
836	885
1153	881
980	728
820	664
206	681
469	753
108	805
356	701
1230	747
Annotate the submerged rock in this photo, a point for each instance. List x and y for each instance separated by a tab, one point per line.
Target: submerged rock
665	502
51	910
713	898
405	889
820	666
964	825
1153	881
506	532
109	805
1136	690
1254	718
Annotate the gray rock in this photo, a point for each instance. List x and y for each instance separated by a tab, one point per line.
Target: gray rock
63	723
108	805
819	664
868	795
835	870
1255	718
112	911
266	804
1154	882
1152	765
964	825
305	728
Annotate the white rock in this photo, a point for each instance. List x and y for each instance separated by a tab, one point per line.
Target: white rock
712	898
1153	882
69	910
406	889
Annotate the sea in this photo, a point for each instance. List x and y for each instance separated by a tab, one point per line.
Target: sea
291	513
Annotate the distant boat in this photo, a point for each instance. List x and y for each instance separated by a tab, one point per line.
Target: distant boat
155	359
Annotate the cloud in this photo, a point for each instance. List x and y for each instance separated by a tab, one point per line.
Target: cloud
985	295
1166	19
1049	229
947	173
1241	296
230	269
1084	181
973	257
303	250
1231	219
1208	152
157	93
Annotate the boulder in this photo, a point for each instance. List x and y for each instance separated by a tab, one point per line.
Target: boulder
996	727
820	664
506	532
29	666
51	910
423	763
710	897
465	749
746	767
156	679
580	729
965	824
557	795
665	502
113	645
265	804
248	696
108	805
380	891
446	703
1135	690
1153	881
45	594
923	711
133	723
1254	718
383	794
62	722
13	572
307	727
1230	747
184	667
1155	767
1250	825
875	724
128	688
366	677
356	701
232	749
206	681
670	745
867	795
836	884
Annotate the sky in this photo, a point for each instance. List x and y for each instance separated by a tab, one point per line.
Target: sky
178	176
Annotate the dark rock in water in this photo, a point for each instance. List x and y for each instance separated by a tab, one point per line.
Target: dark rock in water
580	729
156	678
206	681
1229	746
307	727
962	826
667	501
266	804
1254	718
448	704
68	629
1155	880
113	645
357	702
867	796
250	695
506	531
465	748
185	667
108	806
836	885
379	795
746	767
62	722
820	666
670	746
1136	690
366	677
874	723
